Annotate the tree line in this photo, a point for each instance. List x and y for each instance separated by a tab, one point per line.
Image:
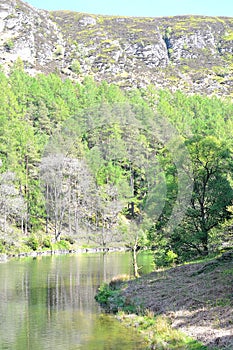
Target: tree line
91	162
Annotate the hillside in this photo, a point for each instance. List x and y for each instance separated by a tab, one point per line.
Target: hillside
191	53
95	164
195	298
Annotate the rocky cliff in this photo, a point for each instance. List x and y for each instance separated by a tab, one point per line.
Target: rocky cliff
192	53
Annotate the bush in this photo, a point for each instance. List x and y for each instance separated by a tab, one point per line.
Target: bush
62	245
165	257
104	292
109	296
47	243
33	242
171	257
76	67
110	299
9	45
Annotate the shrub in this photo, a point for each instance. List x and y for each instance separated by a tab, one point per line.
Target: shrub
47	243
62	245
171	257
76	67
165	258
110	299
109	296
9	45
33	242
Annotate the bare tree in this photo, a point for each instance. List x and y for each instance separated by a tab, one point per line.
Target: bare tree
56	190
67	186
12	206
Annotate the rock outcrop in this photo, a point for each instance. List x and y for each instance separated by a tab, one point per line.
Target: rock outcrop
191	53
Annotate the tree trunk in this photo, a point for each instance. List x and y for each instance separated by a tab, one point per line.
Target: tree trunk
205	244
135	264
57	235
206	249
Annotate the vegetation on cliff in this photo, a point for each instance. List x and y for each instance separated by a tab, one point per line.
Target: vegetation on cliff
190	53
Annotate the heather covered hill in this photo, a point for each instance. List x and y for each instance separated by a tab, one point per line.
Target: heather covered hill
191	53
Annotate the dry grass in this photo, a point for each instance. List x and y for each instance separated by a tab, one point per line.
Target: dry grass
197	298
117	281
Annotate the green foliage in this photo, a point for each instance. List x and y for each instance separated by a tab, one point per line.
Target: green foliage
109	296
9	44
61	245
104	292
164	257
165	337
111	134
171	257
32	242
47	243
212	193
156	330
2	247
76	67
168	32
228	36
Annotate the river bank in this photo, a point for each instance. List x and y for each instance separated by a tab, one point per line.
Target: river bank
5	257
196	299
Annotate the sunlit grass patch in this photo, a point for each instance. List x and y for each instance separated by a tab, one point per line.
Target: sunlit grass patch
158	332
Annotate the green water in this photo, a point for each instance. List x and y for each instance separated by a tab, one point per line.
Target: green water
48	303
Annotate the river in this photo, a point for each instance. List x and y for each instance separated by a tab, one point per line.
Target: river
48	303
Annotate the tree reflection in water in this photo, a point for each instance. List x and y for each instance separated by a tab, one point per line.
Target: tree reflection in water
48	303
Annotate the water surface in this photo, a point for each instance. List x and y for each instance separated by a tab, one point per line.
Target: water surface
48	303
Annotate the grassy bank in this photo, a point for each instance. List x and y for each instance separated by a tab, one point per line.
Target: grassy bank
186	307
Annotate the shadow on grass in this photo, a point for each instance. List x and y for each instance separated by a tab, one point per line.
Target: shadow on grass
196	299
